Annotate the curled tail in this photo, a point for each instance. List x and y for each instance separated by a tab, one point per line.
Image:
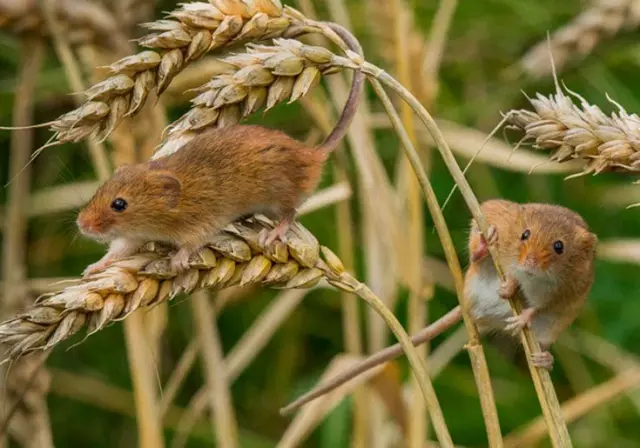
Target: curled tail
350	107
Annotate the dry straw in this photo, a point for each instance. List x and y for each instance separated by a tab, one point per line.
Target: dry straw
84	20
602	20
570	131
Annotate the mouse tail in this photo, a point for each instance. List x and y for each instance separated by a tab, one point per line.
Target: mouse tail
355	94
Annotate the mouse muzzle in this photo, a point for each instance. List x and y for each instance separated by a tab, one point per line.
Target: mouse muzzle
89	227
533	261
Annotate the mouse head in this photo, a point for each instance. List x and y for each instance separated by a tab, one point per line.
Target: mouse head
135	202
555	244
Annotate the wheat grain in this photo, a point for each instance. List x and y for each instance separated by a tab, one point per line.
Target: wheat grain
186	35
264	76
602	20
604	142
145	280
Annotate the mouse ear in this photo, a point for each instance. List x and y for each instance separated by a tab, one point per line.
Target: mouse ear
588	240
169	186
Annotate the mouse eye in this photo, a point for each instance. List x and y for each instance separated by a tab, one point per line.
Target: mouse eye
119	205
525	235
558	246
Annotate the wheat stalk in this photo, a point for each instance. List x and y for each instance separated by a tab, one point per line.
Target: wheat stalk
604	19
264	76
186	35
570	131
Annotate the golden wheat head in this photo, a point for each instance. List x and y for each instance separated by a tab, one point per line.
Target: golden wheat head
570	131
145	280
185	35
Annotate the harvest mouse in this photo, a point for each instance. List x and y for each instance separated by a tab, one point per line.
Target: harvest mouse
185	198
546	251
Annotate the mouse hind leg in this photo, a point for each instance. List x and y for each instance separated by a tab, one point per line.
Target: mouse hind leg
279	232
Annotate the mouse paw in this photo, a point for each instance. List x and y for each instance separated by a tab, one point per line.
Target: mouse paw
267	237
180	261
515	324
482	250
542	359
508	288
96	267
492	235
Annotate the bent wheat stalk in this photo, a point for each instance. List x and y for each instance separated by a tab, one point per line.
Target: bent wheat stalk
541	379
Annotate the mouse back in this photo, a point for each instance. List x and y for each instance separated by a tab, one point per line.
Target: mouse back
245	168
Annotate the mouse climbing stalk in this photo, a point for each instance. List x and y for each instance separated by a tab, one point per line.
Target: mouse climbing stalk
548	254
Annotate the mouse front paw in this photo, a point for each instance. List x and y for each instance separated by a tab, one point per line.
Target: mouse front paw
508	288
515	324
492	235
482	249
96	267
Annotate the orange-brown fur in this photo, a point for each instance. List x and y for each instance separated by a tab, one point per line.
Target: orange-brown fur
554	286
574	274
220	175
571	273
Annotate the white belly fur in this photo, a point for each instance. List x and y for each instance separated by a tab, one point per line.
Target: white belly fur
487	308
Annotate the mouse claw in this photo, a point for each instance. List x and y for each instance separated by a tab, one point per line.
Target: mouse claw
268	237
515	324
96	267
492	235
542	359
483	248
180	261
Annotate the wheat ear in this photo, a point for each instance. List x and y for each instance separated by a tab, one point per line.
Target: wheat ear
186	35
145	280
264	76
570	131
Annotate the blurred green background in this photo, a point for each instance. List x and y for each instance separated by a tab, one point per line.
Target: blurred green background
485	39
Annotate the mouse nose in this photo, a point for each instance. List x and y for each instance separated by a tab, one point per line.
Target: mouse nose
85	224
537	260
531	260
